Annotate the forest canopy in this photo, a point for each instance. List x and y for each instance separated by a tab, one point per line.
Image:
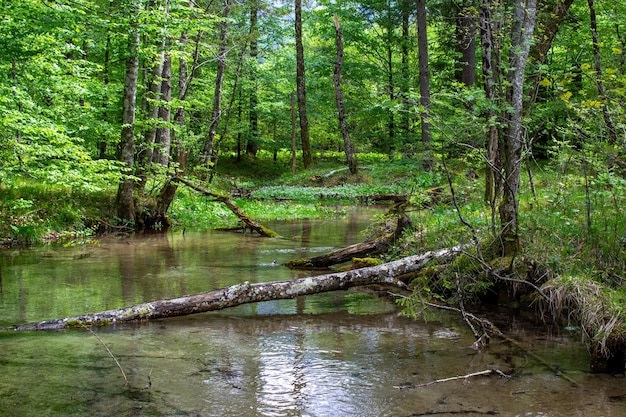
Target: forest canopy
96	93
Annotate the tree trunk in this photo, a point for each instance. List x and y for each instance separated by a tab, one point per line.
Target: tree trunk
606	113
466	44
405	85
151	97
343	124
521	36
231	104
163	138
245	293
424	79
391	124
125	202
207	152
493	179
307	156
252	146
294	148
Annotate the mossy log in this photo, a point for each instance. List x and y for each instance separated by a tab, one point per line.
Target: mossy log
379	244
246	292
245	219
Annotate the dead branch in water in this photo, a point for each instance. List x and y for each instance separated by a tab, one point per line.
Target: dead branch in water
110	353
454	378
488	328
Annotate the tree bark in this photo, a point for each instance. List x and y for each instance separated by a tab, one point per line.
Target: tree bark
207	152
294	148
252	147
424	79
521	35
163	140
307	156
493	179
246	293
343	124
125	203
606	113
466	44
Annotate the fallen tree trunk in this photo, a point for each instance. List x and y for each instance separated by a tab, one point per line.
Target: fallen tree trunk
379	244
251	293
245	219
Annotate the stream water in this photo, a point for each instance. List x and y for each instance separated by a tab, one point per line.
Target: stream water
335	354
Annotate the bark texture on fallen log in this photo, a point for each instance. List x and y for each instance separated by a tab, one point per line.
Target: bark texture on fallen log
380	244
245	219
250	293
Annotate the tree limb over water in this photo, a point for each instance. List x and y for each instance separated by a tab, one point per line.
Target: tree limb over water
246	292
245	219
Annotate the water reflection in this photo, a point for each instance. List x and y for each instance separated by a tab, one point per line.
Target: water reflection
336	354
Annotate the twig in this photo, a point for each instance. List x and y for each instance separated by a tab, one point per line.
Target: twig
109	352
454	378
490	328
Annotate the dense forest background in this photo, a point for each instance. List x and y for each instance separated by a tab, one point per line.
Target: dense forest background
96	93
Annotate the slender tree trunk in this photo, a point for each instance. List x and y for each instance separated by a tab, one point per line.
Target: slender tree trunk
163	138
125	202
216	113
252	146
294	147
424	79
307	155
606	113
405	84
102	144
229	109
490	80
391	124
152	95
522	31
343	124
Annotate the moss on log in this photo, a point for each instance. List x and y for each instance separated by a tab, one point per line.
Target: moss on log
247	292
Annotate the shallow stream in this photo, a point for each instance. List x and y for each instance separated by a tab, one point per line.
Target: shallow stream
337	354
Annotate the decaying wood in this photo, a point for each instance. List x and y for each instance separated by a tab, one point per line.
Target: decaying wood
251	293
245	219
379	244
454	378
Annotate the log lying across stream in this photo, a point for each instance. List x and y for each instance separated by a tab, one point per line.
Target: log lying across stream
251	293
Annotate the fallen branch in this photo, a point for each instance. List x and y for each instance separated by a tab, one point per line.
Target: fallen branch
109	352
245	219
251	293
454	378
375	246
490	329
